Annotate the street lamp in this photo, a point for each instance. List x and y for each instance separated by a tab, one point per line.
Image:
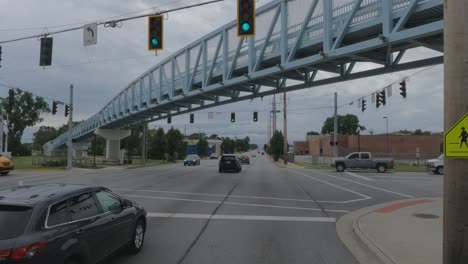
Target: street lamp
386	119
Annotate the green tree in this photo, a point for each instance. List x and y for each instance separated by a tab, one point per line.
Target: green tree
196	136
312	133
253	146
43	135
25	112
202	147
157	144
228	145
64	128
347	125
276	145
99	145
419	132
176	146
213	136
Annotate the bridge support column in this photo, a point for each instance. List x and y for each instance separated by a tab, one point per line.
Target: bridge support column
80	149
113	137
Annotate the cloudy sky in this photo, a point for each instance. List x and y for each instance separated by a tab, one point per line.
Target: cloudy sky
99	72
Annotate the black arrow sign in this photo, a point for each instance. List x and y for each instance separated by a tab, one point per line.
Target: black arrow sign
92	31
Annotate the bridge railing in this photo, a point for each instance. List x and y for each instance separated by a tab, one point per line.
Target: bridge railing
214	54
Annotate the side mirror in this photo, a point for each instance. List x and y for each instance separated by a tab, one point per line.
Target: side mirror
127	203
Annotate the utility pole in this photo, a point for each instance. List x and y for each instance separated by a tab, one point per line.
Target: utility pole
455	224
335	127
143	145
386	119
285	133
274	114
70	127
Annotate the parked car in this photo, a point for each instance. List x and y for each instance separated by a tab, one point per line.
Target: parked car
436	165
214	156
67	223
253	155
244	159
229	162
192	159
362	160
6	165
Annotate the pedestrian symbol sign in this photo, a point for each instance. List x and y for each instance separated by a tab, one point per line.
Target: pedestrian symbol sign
456	140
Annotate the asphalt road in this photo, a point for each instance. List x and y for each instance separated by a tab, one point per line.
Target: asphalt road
265	214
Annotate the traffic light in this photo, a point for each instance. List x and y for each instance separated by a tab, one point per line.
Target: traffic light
155	32
381	98
192	118
169	119
255	116
403	88
0	56
233	117
54	107
11	97
245	18
46	52
363	105
67	110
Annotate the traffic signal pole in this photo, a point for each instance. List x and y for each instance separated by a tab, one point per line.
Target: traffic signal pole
70	126
285	134
455	224
335	127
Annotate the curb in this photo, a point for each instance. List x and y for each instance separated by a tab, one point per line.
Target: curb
360	245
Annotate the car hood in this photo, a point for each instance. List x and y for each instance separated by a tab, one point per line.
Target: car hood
433	160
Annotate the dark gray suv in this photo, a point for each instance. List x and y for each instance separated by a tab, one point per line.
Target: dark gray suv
67	223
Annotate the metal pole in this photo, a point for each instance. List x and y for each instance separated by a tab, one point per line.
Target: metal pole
335	127
359	140
387	135
274	114
285	135
70	127
455	224
94	151
143	146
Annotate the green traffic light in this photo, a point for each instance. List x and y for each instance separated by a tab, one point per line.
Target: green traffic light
245	26
154	42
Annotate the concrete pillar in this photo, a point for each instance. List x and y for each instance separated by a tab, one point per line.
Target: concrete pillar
113	137
80	149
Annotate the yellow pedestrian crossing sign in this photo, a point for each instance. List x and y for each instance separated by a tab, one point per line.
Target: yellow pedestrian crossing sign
456	140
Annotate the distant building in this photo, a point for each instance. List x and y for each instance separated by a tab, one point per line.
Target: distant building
214	146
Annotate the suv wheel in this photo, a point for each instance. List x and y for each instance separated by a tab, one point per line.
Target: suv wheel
438	170
138	237
381	168
4	173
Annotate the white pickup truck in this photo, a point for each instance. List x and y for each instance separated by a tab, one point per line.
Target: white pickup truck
362	160
436	165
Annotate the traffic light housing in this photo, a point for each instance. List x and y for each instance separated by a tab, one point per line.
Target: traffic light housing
192	118
155	32
1	56
233	117
11	97
54	107
381	98
67	110
169	119
363	105
46	51
403	88
246	18
255	116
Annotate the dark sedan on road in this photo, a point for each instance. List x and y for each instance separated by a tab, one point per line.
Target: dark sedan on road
229	162
192	159
67	223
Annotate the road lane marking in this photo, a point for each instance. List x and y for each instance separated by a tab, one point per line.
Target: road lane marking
364	197
358	176
245	217
241	204
222	195
363	184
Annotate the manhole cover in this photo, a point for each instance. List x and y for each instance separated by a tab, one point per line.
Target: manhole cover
426	216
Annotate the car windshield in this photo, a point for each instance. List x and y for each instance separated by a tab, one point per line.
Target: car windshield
167	103
13	220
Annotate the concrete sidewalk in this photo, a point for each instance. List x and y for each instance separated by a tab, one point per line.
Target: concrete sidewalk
399	232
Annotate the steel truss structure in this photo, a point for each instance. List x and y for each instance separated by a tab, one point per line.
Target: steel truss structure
296	42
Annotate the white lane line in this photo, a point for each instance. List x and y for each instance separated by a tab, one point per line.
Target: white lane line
245	217
220	195
364	197
241	204
25	177
363	184
359	176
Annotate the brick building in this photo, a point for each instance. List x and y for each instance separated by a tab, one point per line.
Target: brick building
301	147
399	146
